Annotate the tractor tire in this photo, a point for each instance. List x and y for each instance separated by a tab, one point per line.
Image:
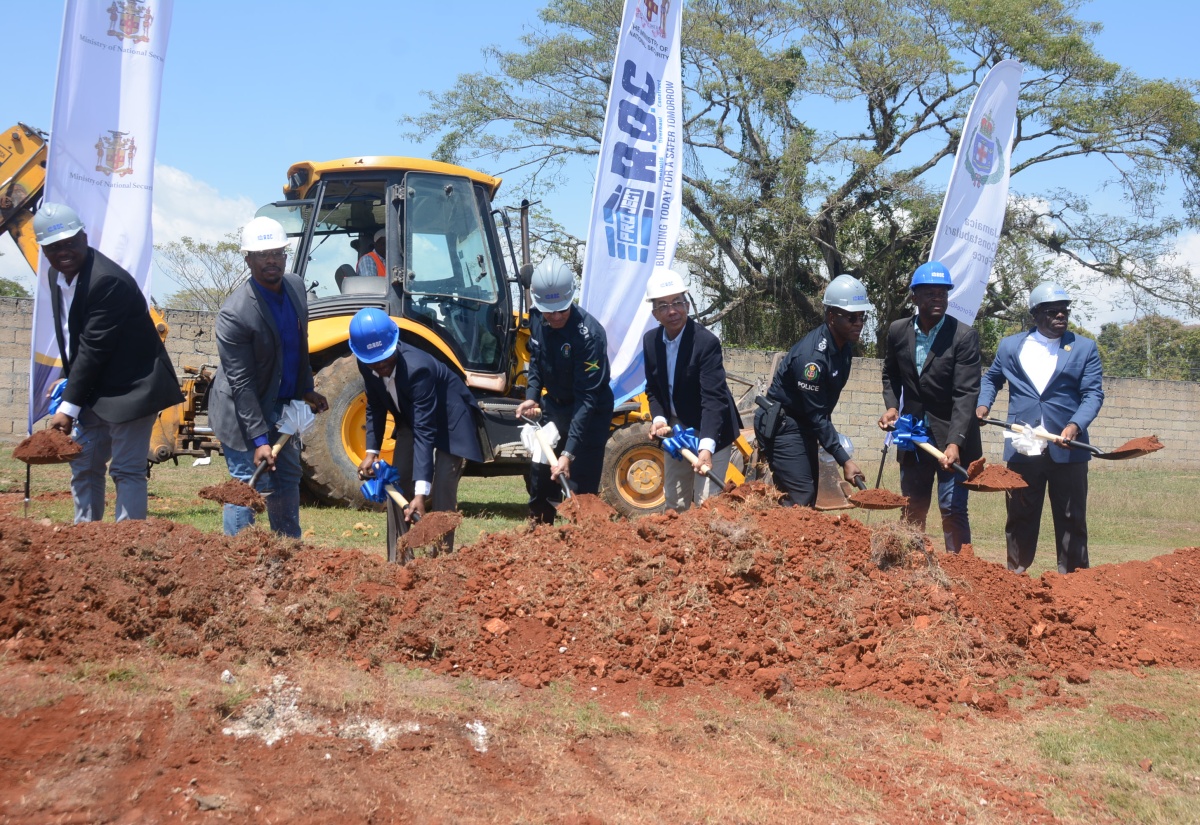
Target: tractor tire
632	480
337	443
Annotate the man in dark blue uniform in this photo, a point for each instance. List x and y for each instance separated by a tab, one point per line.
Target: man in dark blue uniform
568	358
795	415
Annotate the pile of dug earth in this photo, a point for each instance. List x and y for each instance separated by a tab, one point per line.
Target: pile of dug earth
739	593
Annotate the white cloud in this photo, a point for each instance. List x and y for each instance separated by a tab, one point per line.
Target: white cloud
183	205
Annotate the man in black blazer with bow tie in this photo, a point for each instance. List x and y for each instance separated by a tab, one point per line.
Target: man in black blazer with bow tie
685	384
932	372
119	375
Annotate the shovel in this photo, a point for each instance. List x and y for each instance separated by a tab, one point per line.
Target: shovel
548	452
297	419
382	490
674	446
979	478
1136	448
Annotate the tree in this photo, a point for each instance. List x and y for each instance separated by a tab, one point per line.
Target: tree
206	272
1151	347
11	289
814	132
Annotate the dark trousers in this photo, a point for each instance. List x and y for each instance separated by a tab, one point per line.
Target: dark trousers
1068	486
919	472
545	495
792	456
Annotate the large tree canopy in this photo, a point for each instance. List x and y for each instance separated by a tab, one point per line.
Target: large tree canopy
813	130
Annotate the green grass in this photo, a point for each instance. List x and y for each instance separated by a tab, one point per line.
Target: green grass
488	504
1132	514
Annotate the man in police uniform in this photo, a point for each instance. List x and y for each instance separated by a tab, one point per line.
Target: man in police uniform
569	360
795	415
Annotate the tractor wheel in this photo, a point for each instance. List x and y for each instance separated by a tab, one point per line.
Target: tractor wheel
337	443
632	481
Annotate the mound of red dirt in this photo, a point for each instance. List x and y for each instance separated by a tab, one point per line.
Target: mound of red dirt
47	447
739	592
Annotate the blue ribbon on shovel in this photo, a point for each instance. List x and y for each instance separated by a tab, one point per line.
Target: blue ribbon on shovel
375	489
680	440
909	433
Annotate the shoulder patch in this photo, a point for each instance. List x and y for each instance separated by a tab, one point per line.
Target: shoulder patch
591	366
812	371
566	350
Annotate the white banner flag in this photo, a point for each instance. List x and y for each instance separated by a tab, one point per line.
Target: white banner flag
636	203
102	139
968	229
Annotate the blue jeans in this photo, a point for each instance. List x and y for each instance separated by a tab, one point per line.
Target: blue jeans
280	488
918	471
127	444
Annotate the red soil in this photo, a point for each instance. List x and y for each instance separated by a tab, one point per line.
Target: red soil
235	492
47	447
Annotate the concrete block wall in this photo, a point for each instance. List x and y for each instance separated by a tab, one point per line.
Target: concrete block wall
1132	407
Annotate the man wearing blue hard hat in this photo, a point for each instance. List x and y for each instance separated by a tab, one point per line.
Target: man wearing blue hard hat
931	372
1054	381
436	430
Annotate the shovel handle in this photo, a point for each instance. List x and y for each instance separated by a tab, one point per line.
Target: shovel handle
1062	442
276	448
940	456
400	500
694	460
550	454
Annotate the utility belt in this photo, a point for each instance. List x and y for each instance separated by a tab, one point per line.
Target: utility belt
770	420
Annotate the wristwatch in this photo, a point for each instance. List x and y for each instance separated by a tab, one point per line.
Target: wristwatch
567	456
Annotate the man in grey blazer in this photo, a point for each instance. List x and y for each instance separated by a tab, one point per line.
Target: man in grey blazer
931	372
262	341
1054	380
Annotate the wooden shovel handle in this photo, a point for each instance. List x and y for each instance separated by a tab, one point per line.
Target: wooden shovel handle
276	448
940	456
694	460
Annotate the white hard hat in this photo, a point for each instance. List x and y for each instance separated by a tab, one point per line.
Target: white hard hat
847	293
382	233
262	234
664	282
1047	292
552	285
55	222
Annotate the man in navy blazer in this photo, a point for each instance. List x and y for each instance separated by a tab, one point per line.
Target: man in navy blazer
931	372
1054	380
685	384
436	431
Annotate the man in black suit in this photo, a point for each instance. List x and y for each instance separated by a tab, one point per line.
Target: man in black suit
685	384
436	431
119	375
932	372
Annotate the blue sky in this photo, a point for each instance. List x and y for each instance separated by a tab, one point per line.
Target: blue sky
250	88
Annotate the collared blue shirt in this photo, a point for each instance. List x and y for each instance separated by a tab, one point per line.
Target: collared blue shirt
925	341
288	324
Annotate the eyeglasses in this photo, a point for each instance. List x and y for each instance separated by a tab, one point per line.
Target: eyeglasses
852	317
1054	312
267	254
678	306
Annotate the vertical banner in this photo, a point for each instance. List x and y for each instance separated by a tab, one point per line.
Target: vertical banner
101	158
968	229
635	216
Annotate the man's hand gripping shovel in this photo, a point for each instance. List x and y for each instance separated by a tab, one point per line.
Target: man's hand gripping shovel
382	489
296	420
684	445
543	443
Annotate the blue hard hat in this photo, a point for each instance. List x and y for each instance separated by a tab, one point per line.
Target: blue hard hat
933	273
373	335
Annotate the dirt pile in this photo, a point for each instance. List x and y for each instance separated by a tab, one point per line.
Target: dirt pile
47	447
740	592
234	492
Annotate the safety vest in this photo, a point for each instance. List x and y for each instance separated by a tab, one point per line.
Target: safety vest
380	269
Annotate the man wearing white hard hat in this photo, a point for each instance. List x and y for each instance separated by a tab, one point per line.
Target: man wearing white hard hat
262	341
119	376
374	261
685	385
